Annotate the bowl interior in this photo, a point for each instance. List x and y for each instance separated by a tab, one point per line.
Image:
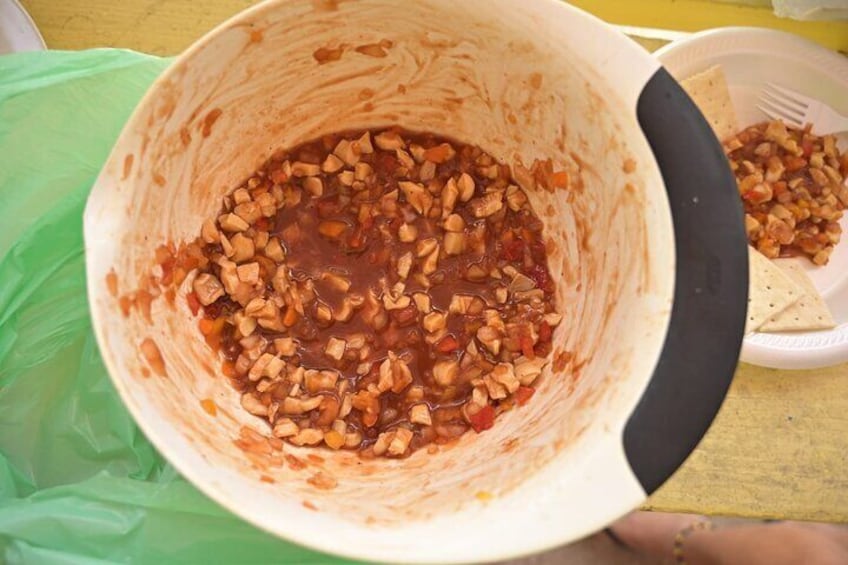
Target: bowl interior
519	83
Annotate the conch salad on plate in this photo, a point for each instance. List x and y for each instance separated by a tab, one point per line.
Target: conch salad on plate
791	184
377	291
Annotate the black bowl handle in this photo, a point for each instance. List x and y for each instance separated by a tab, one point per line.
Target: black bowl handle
704	337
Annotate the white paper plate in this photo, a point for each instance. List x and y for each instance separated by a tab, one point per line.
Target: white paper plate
17	30
750	57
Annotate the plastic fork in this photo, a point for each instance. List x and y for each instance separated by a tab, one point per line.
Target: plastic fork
797	110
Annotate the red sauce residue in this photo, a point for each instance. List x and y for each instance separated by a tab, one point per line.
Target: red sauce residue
309	505
377	50
454	102
128	163
510	444
143	300
295	463
325	5
145	141
140	299
315	458
210	120
145	372
438	43
561	360
583	165
540	174
253	443
177	262
401	89
185	136
256	36
159	179
368	107
366	94
151	353
322	481
523	394
327	55
551	246
628	166
193	303
112	283
126	304
536	81
170	296
267	479
209	406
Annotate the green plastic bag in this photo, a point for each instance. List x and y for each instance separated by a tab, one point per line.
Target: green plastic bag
79	483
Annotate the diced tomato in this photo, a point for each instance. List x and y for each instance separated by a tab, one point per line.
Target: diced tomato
447	344
527	347
545	331
513	248
793	163
193	303
523	394
262	224
206	326
279	176
484	419
807	146
211	330
749	195
542	349
540	276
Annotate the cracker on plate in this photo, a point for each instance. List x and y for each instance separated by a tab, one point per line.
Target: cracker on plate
810	311
708	89
771	291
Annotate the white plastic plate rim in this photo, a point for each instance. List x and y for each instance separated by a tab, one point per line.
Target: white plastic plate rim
17	30
749	58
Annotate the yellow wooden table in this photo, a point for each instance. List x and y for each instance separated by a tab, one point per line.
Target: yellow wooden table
779	447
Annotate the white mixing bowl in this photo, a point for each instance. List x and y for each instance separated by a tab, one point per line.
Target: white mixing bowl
647	247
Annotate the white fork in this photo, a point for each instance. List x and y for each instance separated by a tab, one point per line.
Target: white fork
797	110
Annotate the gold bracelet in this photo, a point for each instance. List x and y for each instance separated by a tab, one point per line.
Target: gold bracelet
704	525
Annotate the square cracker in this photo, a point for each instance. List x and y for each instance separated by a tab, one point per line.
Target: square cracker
771	291
708	89
810	311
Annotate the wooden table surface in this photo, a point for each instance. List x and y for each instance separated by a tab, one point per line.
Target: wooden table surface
778	447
